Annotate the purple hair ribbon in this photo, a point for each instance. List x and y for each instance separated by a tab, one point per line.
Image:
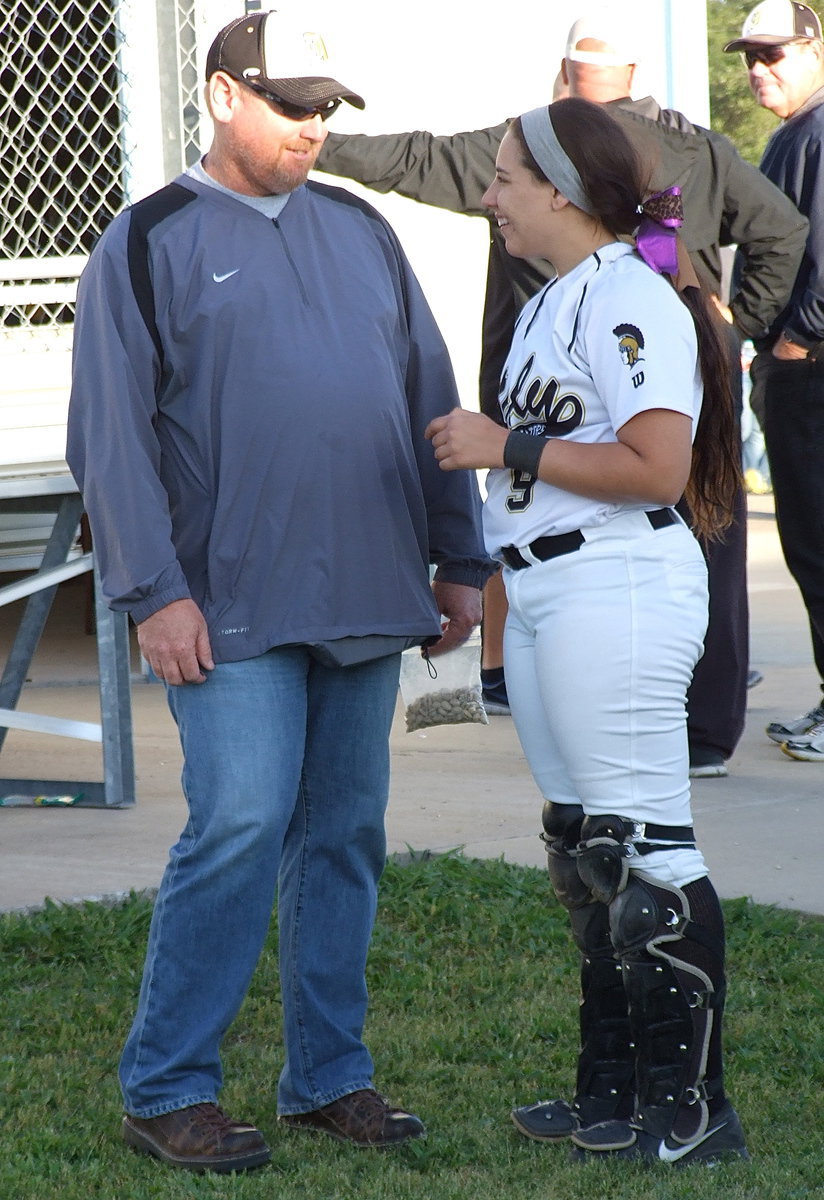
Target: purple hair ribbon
655	240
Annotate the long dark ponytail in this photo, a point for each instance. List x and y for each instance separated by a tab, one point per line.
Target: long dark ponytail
615	183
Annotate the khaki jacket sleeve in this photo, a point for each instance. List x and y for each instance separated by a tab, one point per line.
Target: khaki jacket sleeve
446	172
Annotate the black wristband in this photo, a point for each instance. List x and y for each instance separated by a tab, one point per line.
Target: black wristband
522	452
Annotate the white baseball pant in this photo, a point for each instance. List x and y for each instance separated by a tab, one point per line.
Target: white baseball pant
599	650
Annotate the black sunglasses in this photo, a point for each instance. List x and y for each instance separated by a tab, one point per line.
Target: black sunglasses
295	112
768	55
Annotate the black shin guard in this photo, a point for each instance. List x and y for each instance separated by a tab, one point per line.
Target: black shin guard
674	978
706	913
606	1063
605	1082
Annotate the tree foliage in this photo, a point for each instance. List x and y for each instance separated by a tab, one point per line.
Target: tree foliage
732	105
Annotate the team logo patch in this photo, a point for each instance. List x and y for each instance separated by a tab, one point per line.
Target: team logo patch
316	46
630	343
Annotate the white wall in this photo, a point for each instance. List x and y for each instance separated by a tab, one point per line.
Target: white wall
448	65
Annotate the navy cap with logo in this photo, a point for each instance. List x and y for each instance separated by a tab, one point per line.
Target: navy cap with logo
776	22
273	54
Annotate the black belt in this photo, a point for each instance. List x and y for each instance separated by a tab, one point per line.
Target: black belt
544	548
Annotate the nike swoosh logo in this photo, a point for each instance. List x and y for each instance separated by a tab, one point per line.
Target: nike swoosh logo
667	1155
220	278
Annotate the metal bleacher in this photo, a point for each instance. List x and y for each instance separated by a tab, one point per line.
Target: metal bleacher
40	511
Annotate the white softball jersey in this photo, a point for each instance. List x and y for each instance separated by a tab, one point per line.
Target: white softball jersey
591	350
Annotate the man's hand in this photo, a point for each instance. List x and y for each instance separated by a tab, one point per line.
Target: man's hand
723	311
175	643
466	440
461	606
787	351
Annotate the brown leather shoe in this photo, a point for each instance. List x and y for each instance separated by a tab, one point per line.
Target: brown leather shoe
363	1118
199	1138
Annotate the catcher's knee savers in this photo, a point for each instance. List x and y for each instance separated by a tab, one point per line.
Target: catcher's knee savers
588	858
609	842
563	827
562	833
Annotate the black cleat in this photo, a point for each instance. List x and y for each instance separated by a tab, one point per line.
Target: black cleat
546	1121
554	1120
722	1139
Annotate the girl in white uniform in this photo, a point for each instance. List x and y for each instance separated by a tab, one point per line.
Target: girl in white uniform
604	430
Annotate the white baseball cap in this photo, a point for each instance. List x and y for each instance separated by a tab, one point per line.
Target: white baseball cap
269	51
609	27
774	22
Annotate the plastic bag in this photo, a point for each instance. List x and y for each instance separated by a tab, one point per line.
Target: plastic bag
445	690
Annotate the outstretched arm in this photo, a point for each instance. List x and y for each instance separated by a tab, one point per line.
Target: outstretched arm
446	172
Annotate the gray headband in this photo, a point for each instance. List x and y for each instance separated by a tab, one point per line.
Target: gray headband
551	157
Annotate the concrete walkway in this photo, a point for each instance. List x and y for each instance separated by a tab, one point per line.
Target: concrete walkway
761	828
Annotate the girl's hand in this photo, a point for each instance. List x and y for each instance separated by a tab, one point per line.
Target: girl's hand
466	440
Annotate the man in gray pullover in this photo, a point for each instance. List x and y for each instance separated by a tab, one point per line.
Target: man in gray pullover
254	369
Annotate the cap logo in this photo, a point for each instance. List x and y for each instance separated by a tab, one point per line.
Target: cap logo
315	46
781	20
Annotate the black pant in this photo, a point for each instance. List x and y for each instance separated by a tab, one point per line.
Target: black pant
717	697
792	394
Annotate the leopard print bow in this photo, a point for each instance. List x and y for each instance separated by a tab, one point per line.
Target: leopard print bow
665	208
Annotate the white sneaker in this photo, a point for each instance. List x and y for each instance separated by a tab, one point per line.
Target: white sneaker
809	748
798	728
709	770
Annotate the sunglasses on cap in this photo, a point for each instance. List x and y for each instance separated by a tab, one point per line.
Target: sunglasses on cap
767	55
295	112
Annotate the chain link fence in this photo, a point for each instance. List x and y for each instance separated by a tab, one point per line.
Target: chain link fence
98	107
67	136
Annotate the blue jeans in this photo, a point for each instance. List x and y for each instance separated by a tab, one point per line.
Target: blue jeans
286	775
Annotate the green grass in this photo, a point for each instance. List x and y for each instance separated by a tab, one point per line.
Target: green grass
472	978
